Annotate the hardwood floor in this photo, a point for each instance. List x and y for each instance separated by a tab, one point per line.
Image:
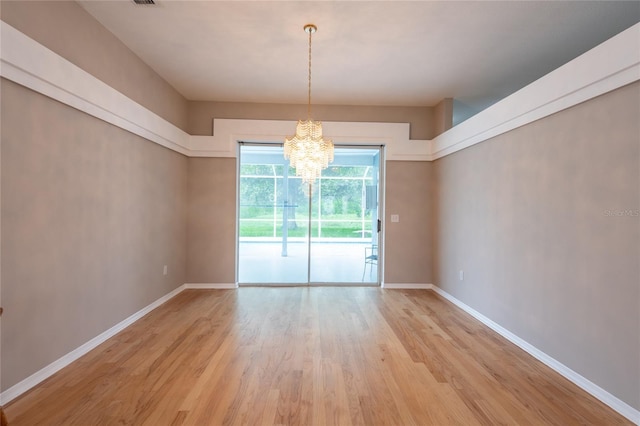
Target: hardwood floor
308	356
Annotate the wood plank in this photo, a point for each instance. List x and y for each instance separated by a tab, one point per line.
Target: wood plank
308	356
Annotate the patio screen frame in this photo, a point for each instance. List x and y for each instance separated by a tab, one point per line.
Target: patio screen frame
376	237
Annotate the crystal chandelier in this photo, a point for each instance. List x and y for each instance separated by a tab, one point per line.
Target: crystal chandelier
307	151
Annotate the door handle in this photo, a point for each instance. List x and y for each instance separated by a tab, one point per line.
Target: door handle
379	225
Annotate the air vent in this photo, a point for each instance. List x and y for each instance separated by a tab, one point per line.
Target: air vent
144	2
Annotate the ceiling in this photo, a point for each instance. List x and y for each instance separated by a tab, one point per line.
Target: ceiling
411	53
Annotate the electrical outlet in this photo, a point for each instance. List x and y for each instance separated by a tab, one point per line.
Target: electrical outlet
164	271
461	274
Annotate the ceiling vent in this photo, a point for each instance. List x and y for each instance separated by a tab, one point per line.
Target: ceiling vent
144	1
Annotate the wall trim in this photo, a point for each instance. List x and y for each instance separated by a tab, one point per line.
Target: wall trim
615	403
27	62
618	405
227	133
408	286
30	64
46	372
209	286
57	365
612	64
608	66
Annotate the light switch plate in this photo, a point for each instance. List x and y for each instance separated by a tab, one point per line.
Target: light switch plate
395	218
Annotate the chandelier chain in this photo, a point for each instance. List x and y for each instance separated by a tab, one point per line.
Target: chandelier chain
309	96
307	151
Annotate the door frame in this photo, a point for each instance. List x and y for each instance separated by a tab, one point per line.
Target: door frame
381	215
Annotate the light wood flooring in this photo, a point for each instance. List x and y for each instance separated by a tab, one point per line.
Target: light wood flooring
308	356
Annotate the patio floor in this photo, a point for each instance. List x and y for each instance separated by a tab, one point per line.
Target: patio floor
331	262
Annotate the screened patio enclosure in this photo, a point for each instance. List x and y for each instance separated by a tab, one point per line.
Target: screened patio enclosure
290	233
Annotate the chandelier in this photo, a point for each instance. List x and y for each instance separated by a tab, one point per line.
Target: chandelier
307	151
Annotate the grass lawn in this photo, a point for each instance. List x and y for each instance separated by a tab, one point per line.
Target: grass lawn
346	229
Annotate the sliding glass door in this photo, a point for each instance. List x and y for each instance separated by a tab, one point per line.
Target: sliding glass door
295	234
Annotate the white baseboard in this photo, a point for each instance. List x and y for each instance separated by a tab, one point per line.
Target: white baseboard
210	286
618	405
46	372
408	286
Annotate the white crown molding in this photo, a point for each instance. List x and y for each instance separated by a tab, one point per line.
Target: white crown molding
612	401
46	372
227	133
606	67
27	62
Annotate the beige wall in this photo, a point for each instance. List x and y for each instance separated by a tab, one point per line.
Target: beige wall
443	116
525	215
90	212
90	215
212	208
71	32
201	115
408	243
212	221
211	253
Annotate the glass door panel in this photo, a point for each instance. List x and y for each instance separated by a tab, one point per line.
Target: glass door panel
290	233
344	242
273	236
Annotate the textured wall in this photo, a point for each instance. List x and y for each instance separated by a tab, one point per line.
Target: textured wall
212	221
211	254
71	32
409	192
544	222
543	219
90	215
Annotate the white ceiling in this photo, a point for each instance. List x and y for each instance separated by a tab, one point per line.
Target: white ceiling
365	53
